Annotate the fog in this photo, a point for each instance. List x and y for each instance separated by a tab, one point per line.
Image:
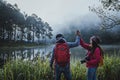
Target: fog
58	13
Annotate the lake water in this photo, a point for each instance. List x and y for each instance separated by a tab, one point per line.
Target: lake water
45	52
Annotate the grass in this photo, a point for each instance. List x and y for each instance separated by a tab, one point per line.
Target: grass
40	70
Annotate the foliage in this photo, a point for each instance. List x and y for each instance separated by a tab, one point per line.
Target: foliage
106	36
108	12
109	19
111	4
18	26
40	70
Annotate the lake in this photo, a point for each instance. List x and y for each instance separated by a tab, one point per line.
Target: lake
29	53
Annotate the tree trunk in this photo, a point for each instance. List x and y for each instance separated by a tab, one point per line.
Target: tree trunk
15	34
3	35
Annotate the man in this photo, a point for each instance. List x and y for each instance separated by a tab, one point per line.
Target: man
61	56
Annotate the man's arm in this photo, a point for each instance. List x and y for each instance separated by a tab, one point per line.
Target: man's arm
74	44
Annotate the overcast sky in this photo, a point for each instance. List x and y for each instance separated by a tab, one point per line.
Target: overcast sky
55	12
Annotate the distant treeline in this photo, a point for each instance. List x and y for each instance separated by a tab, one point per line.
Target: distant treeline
17	26
108	36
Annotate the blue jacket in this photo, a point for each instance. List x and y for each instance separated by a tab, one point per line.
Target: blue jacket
70	45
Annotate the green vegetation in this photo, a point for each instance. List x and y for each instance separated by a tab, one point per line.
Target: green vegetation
40	70
16	26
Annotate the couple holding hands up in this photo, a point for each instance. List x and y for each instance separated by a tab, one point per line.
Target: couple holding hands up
61	56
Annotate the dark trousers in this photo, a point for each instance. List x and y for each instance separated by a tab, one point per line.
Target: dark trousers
65	70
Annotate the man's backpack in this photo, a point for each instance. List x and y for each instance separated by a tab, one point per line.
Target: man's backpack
62	55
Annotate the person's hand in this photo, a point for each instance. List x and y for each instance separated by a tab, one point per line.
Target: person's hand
78	33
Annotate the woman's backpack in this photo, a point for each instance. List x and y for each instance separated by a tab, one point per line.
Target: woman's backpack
101	57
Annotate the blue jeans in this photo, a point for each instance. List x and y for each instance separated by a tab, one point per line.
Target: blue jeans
65	70
91	74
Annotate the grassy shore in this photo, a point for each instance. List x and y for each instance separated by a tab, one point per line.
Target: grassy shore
40	70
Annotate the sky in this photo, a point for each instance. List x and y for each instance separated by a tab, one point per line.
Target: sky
56	12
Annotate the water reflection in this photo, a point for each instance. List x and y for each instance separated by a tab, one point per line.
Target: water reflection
24	53
45	52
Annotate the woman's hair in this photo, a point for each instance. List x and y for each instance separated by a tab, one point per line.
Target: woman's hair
95	44
95	39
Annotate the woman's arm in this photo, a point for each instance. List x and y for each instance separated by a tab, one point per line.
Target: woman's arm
84	45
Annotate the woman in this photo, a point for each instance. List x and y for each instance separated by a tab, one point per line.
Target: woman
93	56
